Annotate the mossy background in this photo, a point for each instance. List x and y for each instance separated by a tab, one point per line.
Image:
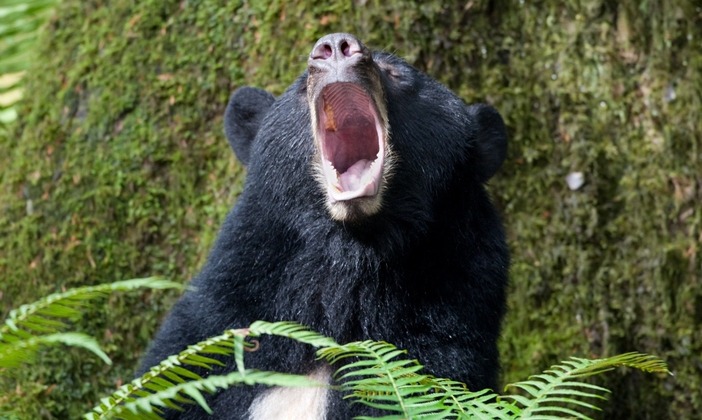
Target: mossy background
118	168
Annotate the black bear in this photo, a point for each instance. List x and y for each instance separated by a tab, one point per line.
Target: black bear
363	216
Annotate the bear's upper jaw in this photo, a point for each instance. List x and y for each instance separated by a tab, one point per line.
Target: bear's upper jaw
351	139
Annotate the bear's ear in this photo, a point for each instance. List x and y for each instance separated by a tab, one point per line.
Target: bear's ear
490	140
242	119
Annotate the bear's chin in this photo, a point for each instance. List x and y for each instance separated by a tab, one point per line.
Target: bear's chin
356	209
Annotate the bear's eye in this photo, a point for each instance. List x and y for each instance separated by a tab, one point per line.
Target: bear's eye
394	73
391	71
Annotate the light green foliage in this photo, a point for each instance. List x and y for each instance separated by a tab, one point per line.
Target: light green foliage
169	373
20	21
171	382
23	351
550	393
144	407
39	324
372	373
118	167
376	376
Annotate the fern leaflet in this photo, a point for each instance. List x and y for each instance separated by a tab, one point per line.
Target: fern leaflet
37	324
552	392
171	372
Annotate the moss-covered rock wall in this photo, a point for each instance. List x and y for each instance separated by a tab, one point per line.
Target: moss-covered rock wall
119	168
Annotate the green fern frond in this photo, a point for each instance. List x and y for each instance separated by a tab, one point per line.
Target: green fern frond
382	379
194	389
291	330
155	388
49	315
16	352
375	374
20	24
171	372
147	407
34	325
379	378
451	399
556	390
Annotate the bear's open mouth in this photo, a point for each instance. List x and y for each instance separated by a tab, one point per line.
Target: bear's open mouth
352	143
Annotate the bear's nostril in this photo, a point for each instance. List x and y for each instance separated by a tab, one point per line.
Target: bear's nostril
336	47
322	52
345	48
326	51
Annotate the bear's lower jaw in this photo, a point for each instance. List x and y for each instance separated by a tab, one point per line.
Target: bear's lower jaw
357	193
362	179
354	210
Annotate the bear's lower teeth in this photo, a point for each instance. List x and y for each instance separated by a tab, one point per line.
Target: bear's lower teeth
356	176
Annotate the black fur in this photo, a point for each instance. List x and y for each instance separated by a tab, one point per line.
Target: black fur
427	273
243	117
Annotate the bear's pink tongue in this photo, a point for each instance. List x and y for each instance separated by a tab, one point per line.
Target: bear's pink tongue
352	179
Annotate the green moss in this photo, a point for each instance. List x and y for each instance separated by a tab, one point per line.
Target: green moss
121	159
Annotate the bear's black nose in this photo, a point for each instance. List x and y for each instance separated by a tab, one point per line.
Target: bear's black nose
336	47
